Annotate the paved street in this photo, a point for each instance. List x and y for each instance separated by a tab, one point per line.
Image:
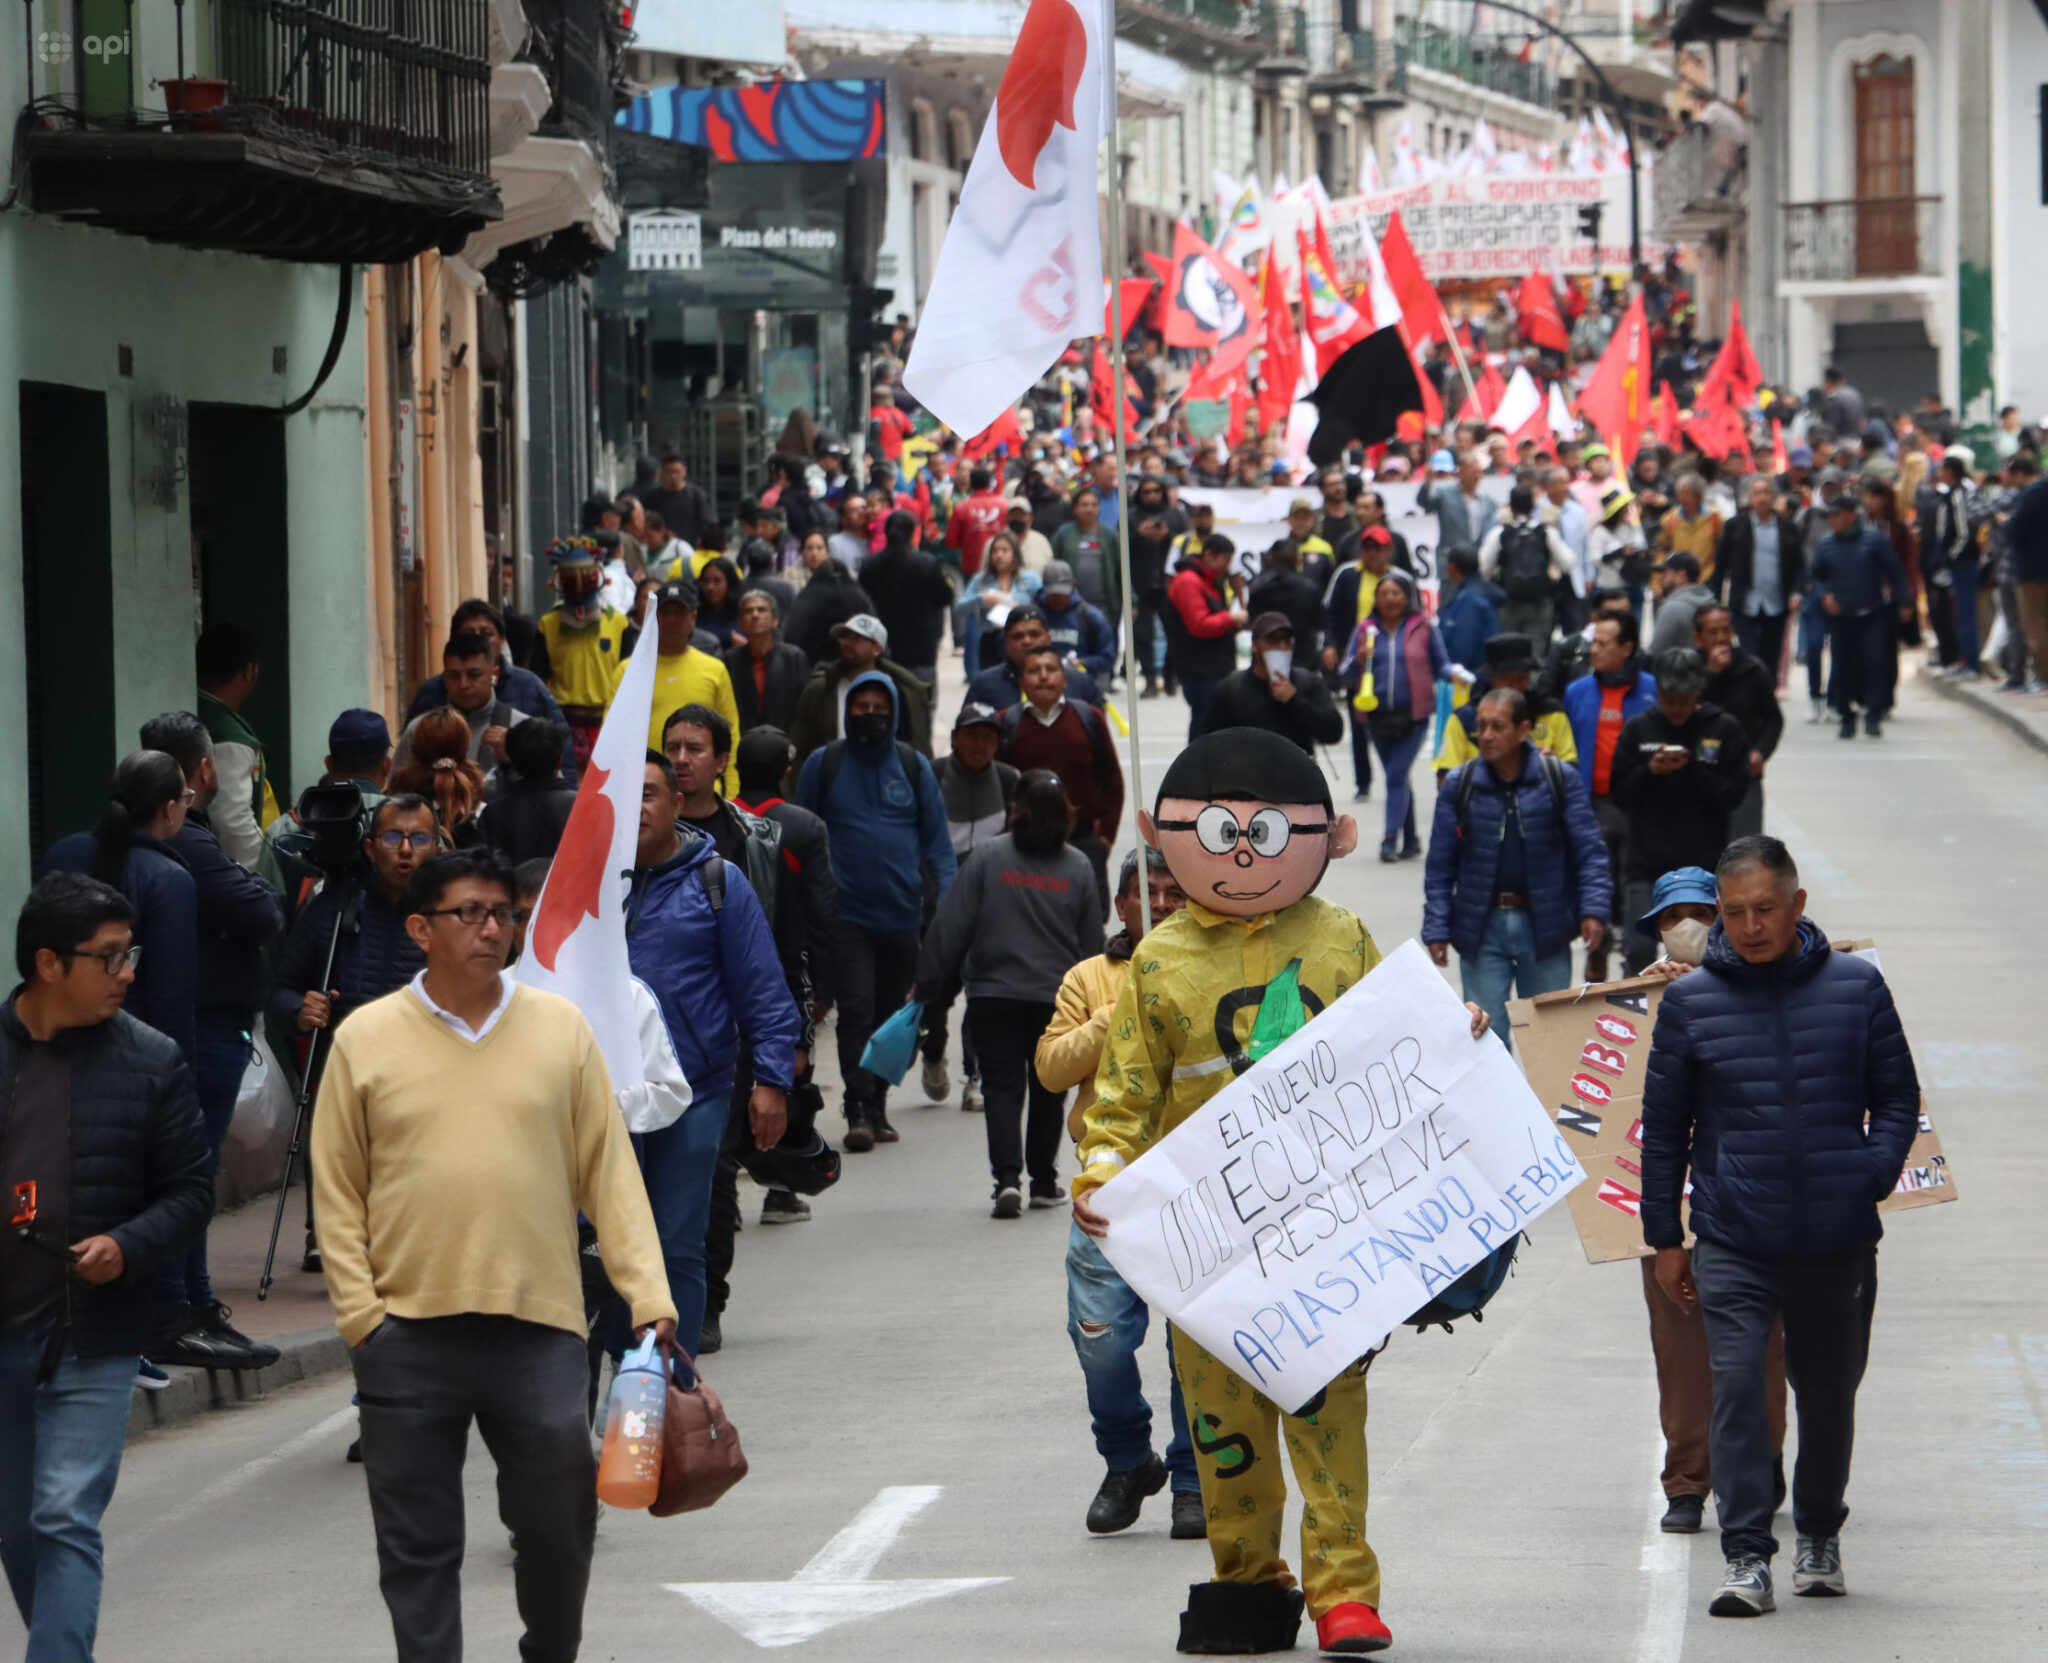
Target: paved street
903	1339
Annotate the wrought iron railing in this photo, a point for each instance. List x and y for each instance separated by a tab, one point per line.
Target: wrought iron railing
1282	30
1490	61
1887	236
1384	64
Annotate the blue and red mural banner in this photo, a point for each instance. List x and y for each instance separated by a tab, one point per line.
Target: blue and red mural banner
774	121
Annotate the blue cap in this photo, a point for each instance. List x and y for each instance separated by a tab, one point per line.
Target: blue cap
1443	462
357	733
1687	885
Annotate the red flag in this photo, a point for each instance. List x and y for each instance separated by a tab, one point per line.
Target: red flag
1135	289
1240	401
1280	369
1664	416
1003	434
1161	265
1487	391
1735	377
1542	323
1101	401
1333	322
1210	303
1422	314
1779	461
1617	400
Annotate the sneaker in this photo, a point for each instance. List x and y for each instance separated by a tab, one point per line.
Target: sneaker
1847	729
878	1123
1745	1589
310	1261
784	1207
859	1139
1389	852
1817	1568
198	1348
1190	1517
1819	713
1121	1496
1351	1628
1683	1516
1411	849
213	1318
709	1337
150	1378
938	1086
1043	1196
1009	1202
1874	726
970	1097
2035	686
1362	795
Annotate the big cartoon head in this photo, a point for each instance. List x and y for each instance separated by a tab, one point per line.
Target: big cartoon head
1246	823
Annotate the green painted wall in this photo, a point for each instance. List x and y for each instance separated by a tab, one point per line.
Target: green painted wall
200	327
1977	404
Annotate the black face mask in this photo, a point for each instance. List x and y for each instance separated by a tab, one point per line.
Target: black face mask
870	728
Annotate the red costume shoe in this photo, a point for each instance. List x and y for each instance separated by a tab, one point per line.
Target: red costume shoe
1352	1628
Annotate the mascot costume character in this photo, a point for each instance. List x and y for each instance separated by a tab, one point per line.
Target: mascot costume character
1247	826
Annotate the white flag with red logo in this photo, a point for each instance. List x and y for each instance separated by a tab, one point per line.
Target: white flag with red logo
1020	272
576	942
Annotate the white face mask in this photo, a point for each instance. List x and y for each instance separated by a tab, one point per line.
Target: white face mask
1279	662
1686	941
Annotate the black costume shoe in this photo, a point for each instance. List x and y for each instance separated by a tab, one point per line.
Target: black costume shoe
1122	1497
1236	1619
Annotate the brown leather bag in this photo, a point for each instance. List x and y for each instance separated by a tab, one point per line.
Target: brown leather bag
701	1456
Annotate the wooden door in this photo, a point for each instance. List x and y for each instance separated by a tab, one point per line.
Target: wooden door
1886	219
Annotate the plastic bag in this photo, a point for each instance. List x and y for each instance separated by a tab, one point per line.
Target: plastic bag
261	1132
893	1045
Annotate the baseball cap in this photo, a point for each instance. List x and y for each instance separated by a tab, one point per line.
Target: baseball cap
866	625
1015	503
1687	885
356	733
1056	579
974	714
1024	615
1300	505
1443	462
1593	450
1377	534
1272	623
1801	456
678	591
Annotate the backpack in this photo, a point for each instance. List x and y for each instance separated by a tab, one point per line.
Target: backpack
1553	775
1468	1296
1523	569
835	759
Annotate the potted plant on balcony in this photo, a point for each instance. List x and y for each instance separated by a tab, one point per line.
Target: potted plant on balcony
189	99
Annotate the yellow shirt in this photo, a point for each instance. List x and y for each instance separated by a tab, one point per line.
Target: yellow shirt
693	677
1193	990
585	663
448	1173
1552	733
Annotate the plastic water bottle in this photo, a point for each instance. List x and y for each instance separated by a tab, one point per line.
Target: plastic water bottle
629	1470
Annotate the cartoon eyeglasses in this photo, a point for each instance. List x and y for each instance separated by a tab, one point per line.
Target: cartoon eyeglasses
1267	834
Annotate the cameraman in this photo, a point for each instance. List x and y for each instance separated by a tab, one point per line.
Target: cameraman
373	956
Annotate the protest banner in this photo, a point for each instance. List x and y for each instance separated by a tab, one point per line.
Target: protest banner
1585	1052
1493	225
1339	1184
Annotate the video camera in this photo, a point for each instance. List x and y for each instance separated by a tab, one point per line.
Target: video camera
334	822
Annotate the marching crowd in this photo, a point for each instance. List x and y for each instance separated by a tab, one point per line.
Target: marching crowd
1595	654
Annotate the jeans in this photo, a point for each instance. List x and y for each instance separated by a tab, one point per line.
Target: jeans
1196	690
60	1452
1361	745
1507	953
1813	635
1827	1305
1006	1034
1861	645
1969	646
1107	1323
804	1100
1536	619
1147	652
1685	1389
220	1053
678	1163
1764	635
874	973
419	1386
931	1040
1397	760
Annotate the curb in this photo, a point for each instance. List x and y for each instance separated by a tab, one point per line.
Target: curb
307	1355
2016	720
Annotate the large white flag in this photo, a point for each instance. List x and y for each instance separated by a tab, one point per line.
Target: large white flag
1020	270
576	943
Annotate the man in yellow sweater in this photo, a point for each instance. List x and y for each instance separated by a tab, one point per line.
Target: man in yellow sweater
463	1123
586	642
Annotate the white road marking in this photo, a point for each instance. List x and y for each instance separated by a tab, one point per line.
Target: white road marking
1666	1586
833	1587
249	1471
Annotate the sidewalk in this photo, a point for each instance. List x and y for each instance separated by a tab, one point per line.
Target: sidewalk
2025	713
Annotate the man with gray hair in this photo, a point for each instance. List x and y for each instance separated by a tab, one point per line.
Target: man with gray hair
1463	515
1781	1084
1680	771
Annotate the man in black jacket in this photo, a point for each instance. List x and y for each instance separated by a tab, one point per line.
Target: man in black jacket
767	673
1283	586
1760	569
1274	693
911	597
79	1077
238	916
828	598
1679	772
373	956
1746	688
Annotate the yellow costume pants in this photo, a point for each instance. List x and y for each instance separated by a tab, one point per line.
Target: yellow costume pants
1237	1431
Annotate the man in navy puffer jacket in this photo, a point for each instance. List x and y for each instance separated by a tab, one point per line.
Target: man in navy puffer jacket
1764	1065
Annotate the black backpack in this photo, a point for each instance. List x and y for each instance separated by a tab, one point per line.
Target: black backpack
835	759
1523	569
1553	776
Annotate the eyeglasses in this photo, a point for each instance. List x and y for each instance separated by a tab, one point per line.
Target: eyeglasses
405	840
473	913
189	797
1219	833
111	960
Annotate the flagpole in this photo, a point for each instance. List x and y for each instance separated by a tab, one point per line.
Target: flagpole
1123	505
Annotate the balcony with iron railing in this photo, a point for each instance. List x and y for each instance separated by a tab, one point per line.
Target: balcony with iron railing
1200	31
305	130
1493	62
1699	184
1863	239
1366	67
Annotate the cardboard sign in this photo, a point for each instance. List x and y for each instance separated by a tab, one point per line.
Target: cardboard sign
1586	1052
1339	1184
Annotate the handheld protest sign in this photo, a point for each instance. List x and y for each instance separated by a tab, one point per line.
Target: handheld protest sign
1338	1184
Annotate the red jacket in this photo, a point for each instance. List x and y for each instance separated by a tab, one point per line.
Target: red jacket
973	521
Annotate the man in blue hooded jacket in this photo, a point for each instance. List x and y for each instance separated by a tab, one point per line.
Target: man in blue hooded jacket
1779	1077
881	803
697	937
